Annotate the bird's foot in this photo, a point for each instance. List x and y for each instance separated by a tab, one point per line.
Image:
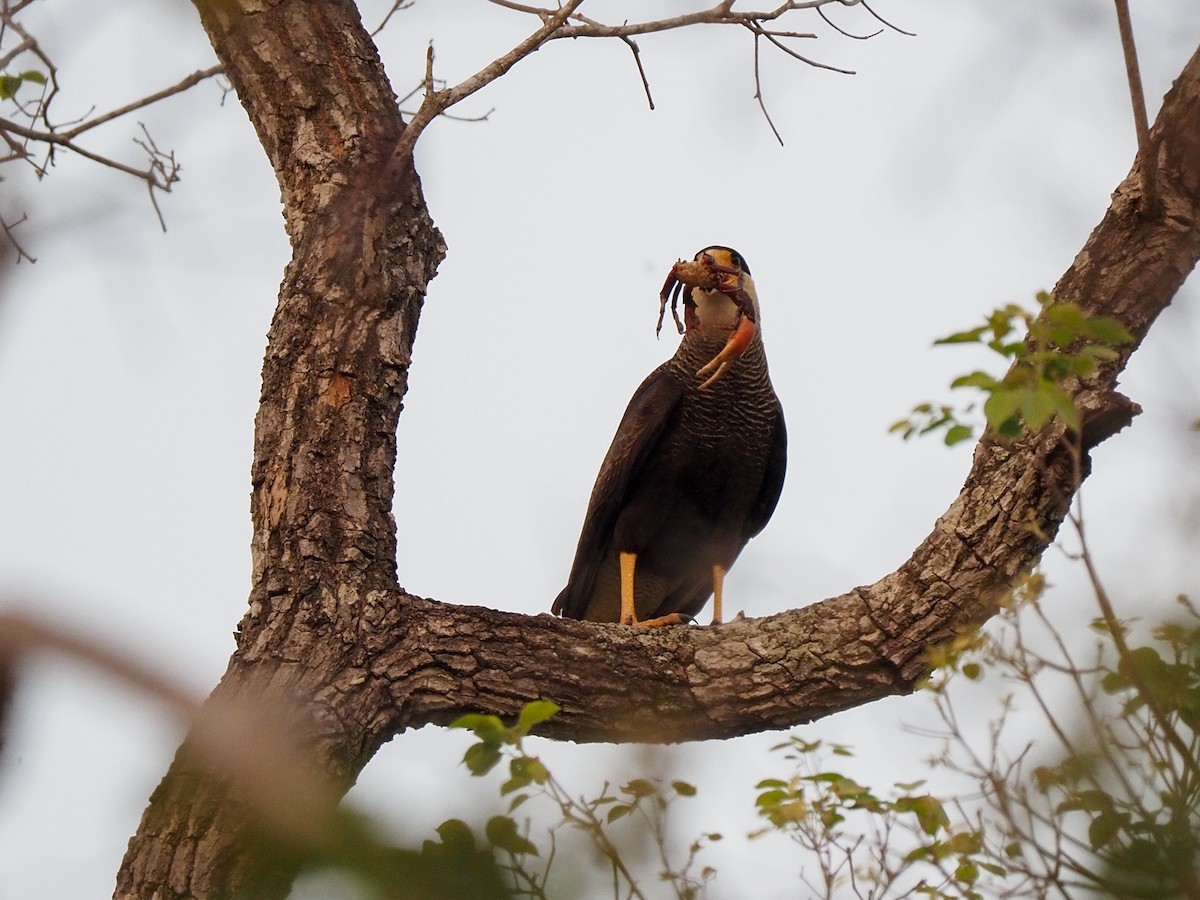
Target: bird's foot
660	621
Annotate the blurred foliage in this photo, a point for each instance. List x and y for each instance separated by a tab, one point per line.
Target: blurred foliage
644	804
903	844
1045	350
10	84
1102	800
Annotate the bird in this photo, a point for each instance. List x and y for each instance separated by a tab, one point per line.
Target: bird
696	466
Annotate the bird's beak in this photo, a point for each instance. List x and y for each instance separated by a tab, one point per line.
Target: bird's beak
729	281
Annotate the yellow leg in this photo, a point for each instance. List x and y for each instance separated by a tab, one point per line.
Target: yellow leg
718	585
628	613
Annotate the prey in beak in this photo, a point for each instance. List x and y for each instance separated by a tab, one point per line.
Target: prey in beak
705	273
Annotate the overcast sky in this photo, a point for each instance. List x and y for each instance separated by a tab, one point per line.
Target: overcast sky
958	170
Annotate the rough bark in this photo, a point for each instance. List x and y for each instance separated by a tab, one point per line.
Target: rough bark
359	660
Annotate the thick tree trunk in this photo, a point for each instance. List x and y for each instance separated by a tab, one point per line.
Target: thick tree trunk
324	542
330	633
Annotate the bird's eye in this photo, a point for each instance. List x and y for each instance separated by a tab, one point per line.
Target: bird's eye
737	260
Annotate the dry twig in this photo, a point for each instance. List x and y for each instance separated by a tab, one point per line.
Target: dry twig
567	22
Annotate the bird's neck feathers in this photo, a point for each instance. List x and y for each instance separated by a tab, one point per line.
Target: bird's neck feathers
716	312
710	322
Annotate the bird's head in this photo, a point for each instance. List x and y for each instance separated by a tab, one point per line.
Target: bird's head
719	299
717	308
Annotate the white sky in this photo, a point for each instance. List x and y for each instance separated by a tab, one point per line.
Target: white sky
957	171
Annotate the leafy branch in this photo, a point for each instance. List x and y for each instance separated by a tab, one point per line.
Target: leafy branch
1048	351
641	799
813	805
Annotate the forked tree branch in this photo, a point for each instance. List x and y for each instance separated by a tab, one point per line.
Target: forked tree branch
329	631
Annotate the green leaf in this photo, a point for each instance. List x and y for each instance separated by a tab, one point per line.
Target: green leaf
456	834
618	812
487	728
1103	829
1108	330
930	813
517	801
772	797
965	842
958	433
683	789
502	833
1000	406
1090	800
1011	349
524	770
9	85
1037	406
640	787
1064	406
981	380
534	714
37	77
481	758
974	336
967	872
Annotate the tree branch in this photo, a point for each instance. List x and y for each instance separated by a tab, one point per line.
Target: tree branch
566	21
1137	96
328	629
684	684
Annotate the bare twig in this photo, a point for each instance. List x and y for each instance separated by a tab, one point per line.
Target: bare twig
758	94
1117	632
55	139
12	239
565	21
177	88
885	22
637	61
32	126
437	102
1141	122
396	7
774	38
842	31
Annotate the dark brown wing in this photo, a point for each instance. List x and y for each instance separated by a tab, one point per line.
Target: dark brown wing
646	418
772	484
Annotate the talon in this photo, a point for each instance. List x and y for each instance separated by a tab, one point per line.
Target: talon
669	619
739	340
